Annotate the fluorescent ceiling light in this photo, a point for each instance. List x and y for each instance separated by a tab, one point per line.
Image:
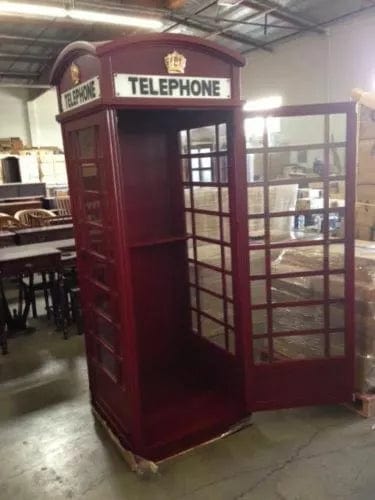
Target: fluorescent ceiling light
274	101
101	17
27	9
30	9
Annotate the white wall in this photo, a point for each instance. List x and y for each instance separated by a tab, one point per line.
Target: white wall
13	114
316	68
45	131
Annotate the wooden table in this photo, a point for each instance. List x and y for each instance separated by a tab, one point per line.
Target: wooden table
7	239
12	207
43	234
27	260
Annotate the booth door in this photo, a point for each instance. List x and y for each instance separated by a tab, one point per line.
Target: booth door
300	165
204	159
88	151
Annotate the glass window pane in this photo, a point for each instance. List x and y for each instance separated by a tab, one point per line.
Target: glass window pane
203	137
228	258
296	164
206	198
183	142
87	142
292	289
213	331
255	200
336	225
190	245
282	229
300	259
223	170
93	208
259	321
254	131
337	344
105	330
209	253
211	305
90	177
258	292
260	351
299	347
194	321
336	256
298	131
96	240
337	127
254	167
224	199
337	286
185	167
222	129
336	194
337	161
226	229
229	285
256	230
257	262
230	314
287	319
283	198
210	279
207	226
336	316
188	219
193	297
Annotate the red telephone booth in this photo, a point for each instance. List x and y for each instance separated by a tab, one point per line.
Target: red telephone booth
162	183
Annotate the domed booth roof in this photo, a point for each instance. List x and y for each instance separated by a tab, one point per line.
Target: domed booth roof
203	70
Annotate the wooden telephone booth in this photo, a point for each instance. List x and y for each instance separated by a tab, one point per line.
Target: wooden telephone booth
160	176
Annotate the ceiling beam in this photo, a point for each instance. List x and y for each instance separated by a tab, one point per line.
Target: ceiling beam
229	35
246	18
29	39
24	86
10	56
283	13
189	16
28	75
291	36
211	30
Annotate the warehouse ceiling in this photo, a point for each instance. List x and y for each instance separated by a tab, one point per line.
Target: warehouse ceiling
30	44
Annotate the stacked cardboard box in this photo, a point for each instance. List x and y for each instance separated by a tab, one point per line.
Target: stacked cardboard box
10	144
50	164
365	207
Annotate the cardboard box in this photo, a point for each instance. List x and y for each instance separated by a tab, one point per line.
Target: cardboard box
366	122
365	214
366	193
366	162
11	144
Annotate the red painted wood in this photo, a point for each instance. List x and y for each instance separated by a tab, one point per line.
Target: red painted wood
156	380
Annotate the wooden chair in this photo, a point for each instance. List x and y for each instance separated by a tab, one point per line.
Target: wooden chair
7	222
35	217
63	205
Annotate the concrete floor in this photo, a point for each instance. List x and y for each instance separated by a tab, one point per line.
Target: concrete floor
52	449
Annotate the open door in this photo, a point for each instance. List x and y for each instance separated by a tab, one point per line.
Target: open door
300	177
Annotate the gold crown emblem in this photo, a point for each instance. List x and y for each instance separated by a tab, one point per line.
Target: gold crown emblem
175	63
75	74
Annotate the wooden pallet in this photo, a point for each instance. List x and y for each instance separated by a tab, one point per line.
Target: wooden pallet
142	466
364	404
